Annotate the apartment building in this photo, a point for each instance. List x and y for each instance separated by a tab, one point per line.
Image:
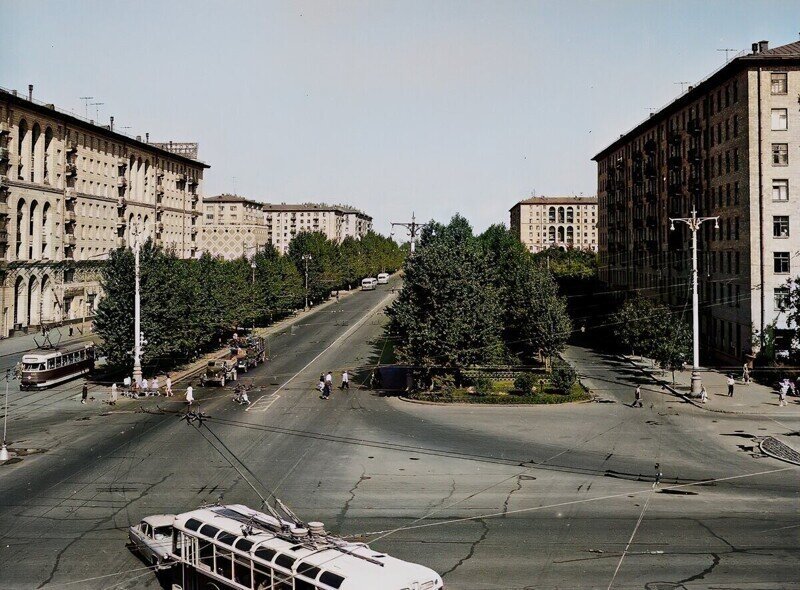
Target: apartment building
70	192
562	222
727	147
284	221
232	226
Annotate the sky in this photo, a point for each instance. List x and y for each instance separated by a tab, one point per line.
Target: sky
429	107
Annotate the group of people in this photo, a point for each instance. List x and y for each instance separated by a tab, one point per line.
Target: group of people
325	385
152	387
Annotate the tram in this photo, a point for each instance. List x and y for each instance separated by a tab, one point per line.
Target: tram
50	367
235	547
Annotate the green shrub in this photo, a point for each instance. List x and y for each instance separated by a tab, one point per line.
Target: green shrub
483	385
524	383
563	377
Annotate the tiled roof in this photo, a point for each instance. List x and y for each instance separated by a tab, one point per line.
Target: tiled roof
789	50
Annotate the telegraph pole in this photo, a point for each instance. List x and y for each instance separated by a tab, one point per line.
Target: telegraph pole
306	258
413	229
694	222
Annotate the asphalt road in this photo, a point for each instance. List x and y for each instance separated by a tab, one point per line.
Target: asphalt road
491	497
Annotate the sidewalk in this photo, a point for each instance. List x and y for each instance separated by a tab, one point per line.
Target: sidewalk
750	398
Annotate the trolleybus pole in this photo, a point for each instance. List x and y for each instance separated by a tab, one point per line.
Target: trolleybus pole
4	450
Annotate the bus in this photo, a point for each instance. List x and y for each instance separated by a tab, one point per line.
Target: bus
234	547
369	284
50	367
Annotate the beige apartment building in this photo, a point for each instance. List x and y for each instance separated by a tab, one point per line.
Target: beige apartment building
728	147
284	221
72	191
562	222
232	227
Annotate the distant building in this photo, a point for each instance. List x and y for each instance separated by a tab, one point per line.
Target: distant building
71	192
232	226
284	221
727	147
561	222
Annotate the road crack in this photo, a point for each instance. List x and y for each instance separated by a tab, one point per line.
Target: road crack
341	516
472	548
508	497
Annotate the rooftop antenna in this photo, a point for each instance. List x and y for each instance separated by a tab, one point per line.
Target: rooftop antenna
86	100
727	51
683	85
97	106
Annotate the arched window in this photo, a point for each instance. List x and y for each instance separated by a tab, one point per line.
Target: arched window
561	214
21	241
48	155
23	150
551	233
570	215
34	294
561	234
48	300
570	234
34	235
19	302
551	215
38	155
46	232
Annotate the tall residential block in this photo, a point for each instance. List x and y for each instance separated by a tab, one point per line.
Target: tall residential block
70	192
728	147
562	222
284	221
232	227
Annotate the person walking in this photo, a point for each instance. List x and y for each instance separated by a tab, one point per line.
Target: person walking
321	384
168	386
84	393
113	401
329	379
154	385
637	401
144	386
703	394
189	396
345	380
782	394
731	383
746	374
326	390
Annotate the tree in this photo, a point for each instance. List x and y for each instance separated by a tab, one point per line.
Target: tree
569	264
634	323
448	314
323	267
671	345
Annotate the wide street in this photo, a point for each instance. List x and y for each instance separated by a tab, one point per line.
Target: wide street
490	497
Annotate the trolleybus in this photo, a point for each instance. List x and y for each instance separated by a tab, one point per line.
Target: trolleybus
235	547
49	367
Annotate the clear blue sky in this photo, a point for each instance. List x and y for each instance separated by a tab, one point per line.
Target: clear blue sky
432	106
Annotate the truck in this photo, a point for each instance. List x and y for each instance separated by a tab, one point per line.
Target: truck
248	352
219	371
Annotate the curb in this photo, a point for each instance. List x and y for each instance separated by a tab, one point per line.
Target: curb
467	404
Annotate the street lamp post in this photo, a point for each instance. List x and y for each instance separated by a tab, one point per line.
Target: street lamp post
137	311
694	222
306	258
3	449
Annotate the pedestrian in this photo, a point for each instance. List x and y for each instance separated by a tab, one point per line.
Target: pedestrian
637	401
329	379
326	390
84	393
154	385
703	394
792	388
345	380
746	375
168	387
731	383
113	401
189	396
321	384
144	385
782	393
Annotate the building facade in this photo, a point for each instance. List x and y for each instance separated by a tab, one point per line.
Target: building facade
72	191
561	222
727	147
284	221
232	227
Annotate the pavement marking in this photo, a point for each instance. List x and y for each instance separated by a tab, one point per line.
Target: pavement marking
355	327
273	397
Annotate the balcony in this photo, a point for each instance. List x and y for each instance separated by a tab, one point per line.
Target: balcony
159	227
69	241
122	163
4	127
193	230
70	194
619	164
192	181
120	202
122	182
674	137
180	178
69	217
71	147
70	170
159	174
121	222
4	154
694	127
3	182
650	146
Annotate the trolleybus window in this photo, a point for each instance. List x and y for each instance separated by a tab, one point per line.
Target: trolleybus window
241	571
224	564
309	571
262	577
244	545
285	561
207	554
265	553
193	524
331	579
226	538
209	531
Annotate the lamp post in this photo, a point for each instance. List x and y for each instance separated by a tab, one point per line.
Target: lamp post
694	222
306	258
137	311
3	449
253	280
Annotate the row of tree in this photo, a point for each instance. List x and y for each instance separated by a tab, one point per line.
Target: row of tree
188	306
472	300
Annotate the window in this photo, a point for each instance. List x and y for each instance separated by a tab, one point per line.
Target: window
224	563
780	154
779	84
781	262
736	125
780	190
780	226
780	120
781	297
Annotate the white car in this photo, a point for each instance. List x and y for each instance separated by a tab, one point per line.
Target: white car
152	539
383	278
369	284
